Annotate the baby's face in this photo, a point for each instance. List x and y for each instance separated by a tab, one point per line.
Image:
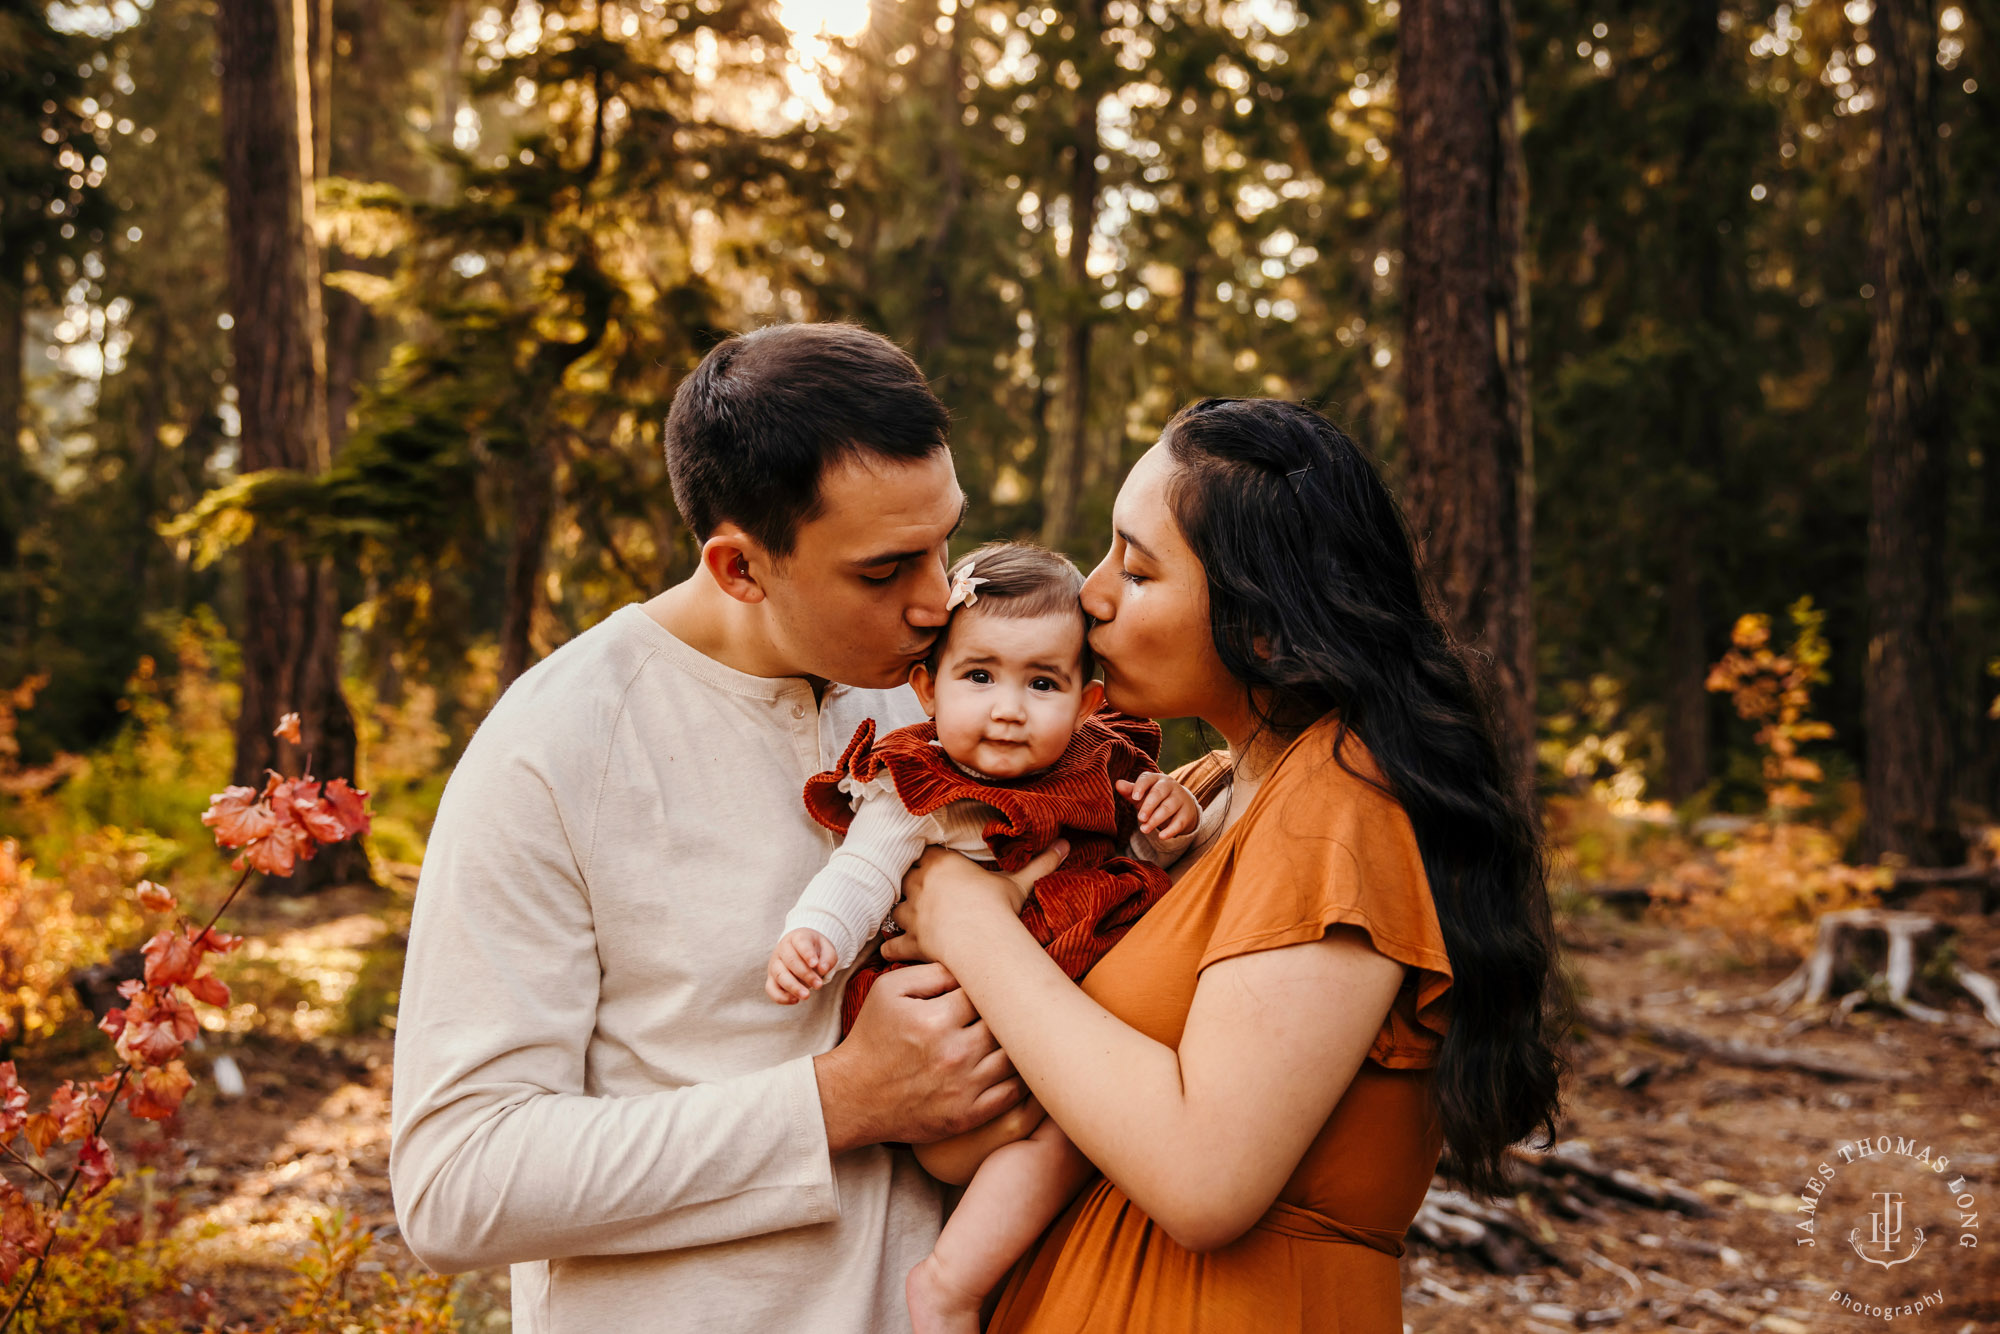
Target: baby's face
1009	692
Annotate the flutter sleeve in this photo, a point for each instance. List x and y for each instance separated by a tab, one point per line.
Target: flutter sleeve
1322	848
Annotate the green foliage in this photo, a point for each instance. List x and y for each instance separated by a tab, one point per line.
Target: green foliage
538	220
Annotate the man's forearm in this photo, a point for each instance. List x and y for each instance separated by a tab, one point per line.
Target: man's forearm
495	1180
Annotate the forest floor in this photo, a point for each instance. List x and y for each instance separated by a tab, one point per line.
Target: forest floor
310	1135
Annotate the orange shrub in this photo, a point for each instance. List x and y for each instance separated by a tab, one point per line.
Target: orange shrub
1766	885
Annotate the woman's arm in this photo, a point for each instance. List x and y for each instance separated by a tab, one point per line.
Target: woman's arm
1204	1137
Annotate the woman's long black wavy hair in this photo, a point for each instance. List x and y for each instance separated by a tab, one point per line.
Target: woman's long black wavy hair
1317	603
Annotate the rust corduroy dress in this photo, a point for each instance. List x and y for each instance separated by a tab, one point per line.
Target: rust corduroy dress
1084	907
1317	848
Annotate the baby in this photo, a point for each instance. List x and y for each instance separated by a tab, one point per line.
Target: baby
1016	756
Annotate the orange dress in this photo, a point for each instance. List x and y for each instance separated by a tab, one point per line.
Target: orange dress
1317	848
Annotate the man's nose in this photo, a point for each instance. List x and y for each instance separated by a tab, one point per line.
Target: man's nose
927	598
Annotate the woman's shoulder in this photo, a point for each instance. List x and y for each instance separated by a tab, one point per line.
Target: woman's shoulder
1327	782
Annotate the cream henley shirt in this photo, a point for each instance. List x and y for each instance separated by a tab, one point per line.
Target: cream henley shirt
590	1083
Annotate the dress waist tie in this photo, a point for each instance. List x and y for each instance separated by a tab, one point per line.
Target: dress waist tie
1292	1221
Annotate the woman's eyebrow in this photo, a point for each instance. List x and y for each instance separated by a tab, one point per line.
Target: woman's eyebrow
1135	544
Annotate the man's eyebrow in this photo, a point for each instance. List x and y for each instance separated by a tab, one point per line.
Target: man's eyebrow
898	557
1136	544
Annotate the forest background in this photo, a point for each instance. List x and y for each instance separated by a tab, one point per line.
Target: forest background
336	335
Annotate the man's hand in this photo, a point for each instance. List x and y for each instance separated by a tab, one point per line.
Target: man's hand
918	1066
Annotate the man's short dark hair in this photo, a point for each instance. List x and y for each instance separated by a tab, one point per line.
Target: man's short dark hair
756	424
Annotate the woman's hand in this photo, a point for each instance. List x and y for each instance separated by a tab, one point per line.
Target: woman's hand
946	890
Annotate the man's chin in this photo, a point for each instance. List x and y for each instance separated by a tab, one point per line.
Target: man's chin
886	678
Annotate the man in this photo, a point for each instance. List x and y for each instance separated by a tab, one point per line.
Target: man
590	1082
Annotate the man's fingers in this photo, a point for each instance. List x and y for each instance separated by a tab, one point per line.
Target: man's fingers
1007	1093
993	1068
953	1007
922	980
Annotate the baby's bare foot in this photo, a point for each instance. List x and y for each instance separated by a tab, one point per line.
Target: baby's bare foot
937	1305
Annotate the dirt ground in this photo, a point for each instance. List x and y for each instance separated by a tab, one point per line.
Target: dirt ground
310	1134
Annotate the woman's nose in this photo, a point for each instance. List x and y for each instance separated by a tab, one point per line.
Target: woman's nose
1095	595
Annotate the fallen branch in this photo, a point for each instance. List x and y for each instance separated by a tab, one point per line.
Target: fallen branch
1727	1051
1509	1235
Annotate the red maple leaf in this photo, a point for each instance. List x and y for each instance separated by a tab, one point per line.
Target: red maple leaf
40	1131
95	1166
209	989
13	1103
76	1112
21	1231
171	958
155	1095
217	942
287	729
320	820
156	898
278	852
156	1027
238	815
350	805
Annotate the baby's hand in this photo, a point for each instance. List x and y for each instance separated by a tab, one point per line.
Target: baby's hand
799	966
1166	809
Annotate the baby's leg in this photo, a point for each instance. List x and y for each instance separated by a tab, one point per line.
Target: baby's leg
1016	1193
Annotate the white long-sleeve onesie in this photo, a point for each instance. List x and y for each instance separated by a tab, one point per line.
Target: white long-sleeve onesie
850	898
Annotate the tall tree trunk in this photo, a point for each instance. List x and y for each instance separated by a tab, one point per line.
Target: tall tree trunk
934	319
1699	448
533	488
291	608
1908	676
1471	484
13	466
1072	467
349	321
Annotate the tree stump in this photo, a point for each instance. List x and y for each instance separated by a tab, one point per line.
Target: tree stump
1908	939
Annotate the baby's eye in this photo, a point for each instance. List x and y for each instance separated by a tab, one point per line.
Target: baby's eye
1043	683
979	676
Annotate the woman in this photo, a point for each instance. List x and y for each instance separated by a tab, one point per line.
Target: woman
1356	966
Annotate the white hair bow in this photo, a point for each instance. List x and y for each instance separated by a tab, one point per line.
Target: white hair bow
964	589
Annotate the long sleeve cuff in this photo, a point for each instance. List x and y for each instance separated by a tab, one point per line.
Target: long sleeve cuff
1161	851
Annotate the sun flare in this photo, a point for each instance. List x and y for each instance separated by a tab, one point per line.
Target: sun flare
843	19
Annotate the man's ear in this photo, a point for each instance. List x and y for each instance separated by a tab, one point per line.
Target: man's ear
1093	698
925	685
735	560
